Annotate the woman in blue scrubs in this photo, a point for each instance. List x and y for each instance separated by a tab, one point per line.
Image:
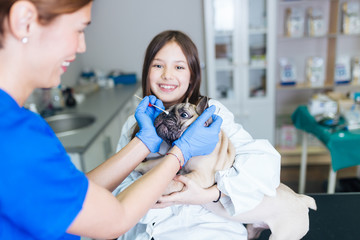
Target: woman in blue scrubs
42	194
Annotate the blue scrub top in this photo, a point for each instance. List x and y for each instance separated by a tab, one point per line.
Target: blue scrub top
41	191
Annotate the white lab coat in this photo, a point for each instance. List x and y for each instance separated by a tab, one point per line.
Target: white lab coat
255	172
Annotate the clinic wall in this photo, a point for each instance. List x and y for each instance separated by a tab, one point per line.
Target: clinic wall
121	30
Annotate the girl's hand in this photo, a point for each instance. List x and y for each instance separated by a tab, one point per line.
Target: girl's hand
192	193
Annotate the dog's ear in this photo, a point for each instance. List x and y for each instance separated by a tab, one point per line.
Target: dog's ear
201	106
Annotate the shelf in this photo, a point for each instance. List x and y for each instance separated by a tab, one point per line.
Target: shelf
223	33
312	150
255	31
316	156
348	35
257	66
294	2
224	63
329	35
347	86
306	86
303	86
305	37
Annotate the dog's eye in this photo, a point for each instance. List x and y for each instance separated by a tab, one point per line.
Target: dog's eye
184	115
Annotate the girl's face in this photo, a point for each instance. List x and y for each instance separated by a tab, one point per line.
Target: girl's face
169	74
56	45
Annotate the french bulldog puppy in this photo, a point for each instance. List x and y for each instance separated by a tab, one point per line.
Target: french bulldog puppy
286	214
200	169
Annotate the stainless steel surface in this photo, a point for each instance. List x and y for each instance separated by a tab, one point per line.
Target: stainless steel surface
104	105
70	123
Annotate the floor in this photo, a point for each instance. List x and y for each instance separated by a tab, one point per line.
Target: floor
316	178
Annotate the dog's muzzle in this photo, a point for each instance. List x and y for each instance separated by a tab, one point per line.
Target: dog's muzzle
167	127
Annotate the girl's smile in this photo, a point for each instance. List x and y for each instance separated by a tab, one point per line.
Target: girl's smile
169	74
167	87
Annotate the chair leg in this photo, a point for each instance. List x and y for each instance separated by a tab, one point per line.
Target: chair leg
332	181
302	180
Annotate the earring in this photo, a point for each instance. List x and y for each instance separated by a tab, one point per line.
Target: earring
24	40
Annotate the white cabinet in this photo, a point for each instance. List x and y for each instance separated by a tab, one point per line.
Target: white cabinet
104	145
240	66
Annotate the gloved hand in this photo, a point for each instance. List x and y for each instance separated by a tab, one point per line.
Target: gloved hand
198	139
145	116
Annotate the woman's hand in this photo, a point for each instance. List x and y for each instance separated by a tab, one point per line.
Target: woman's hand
192	193
145	116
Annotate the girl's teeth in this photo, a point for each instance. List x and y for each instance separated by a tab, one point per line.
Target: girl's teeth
167	87
65	64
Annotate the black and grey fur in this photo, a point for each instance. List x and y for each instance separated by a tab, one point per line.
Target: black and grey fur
171	126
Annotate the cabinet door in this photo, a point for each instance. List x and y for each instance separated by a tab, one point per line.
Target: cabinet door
240	38
95	154
76	160
105	144
221	48
113	131
258	31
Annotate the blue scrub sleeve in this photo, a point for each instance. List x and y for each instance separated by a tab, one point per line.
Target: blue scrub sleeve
41	190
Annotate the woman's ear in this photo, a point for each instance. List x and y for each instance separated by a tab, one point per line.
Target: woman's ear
22	16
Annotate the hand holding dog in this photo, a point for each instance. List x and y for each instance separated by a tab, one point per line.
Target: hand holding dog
199	139
145	116
192	193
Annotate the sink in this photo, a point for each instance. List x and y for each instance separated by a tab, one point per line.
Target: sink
71	123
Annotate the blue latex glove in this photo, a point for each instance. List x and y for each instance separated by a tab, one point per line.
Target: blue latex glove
198	139
145	116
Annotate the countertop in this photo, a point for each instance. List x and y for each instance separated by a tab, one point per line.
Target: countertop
104	104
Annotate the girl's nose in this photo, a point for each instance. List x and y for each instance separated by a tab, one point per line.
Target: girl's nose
167	74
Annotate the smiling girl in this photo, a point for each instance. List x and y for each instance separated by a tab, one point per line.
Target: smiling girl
171	72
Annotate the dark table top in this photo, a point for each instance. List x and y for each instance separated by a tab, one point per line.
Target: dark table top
337	217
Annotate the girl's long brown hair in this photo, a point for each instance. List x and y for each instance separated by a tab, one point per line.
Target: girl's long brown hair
191	54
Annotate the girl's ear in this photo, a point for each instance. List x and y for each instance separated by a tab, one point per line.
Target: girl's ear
22	16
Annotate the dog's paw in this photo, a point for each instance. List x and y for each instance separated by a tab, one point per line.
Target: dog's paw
254	230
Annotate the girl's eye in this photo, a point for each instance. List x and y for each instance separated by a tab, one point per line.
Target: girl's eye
180	67
157	65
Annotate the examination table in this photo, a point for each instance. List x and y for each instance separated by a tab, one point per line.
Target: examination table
337	217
